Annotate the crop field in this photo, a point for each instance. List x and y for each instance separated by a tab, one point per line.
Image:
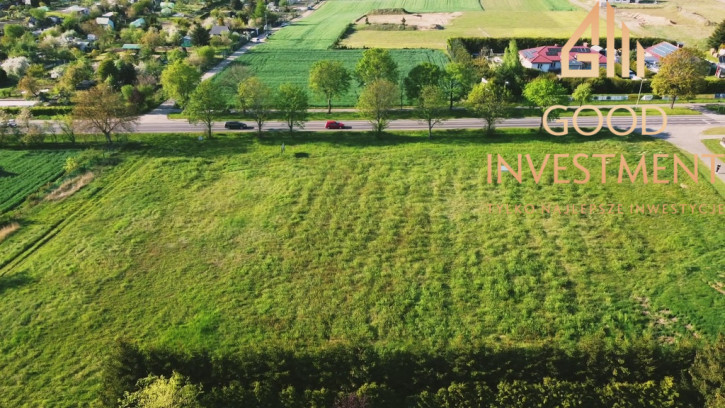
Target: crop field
347	238
493	23
275	66
527	5
24	171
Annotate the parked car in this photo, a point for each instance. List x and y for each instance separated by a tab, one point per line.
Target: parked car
9	123
237	125
332	124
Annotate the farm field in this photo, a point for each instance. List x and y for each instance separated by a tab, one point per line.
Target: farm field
489	23
24	171
345	238
276	66
688	21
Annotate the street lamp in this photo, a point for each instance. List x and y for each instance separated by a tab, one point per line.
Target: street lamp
639	95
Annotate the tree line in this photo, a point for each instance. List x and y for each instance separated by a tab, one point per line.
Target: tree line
489	91
641	373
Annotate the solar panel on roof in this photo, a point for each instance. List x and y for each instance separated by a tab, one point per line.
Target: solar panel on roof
553	51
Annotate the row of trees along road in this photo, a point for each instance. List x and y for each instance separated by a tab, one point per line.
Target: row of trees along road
431	88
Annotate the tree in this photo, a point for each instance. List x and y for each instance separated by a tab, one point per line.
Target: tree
30	86
583	93
16	66
376	63
681	74
706	372
457	81
431	103
260	9
330	79
179	80
14	31
102	110
421	75
489	102
511	70
160	392
376	102
74	74
256	99
544	92
107	69
234	75
204	56
199	36
717	39
292	103
206	102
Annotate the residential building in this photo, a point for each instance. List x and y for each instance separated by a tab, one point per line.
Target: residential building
548	58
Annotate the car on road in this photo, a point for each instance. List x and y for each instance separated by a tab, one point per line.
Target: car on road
237	125
333	124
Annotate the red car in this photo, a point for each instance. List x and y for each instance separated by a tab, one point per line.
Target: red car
331	124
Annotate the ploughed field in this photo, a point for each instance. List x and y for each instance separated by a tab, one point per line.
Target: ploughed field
344	239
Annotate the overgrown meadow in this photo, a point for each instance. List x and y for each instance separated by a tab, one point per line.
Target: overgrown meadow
345	239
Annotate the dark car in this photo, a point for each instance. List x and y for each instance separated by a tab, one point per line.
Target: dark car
332	124
237	125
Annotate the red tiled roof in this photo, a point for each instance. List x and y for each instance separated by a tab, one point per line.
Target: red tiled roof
550	54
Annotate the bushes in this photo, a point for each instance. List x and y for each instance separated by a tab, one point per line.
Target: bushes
41	110
498	45
592	376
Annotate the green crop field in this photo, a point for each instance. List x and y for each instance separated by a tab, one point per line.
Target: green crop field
275	66
527	5
22	172
345	238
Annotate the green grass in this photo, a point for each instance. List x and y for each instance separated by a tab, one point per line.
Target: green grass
489	23
275	66
226	243
714	145
715	131
289	53
24	171
527	5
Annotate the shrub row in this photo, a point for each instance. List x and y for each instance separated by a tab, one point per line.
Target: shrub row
41	110
594	375
474	45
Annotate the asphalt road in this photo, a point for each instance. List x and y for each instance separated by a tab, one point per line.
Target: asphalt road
161	124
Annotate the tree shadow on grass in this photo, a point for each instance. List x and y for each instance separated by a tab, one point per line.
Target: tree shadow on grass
14	281
5	173
440	137
189	145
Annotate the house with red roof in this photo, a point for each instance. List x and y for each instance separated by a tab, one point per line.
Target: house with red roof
548	58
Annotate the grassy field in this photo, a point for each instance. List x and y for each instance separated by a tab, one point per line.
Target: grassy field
276	66
527	5
489	23
289	53
688	21
22	172
344	238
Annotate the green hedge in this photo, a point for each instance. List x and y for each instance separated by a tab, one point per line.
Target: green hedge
498	45
594	375
41	110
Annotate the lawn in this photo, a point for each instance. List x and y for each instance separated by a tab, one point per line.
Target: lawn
347	238
714	145
24	171
276	66
716	131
